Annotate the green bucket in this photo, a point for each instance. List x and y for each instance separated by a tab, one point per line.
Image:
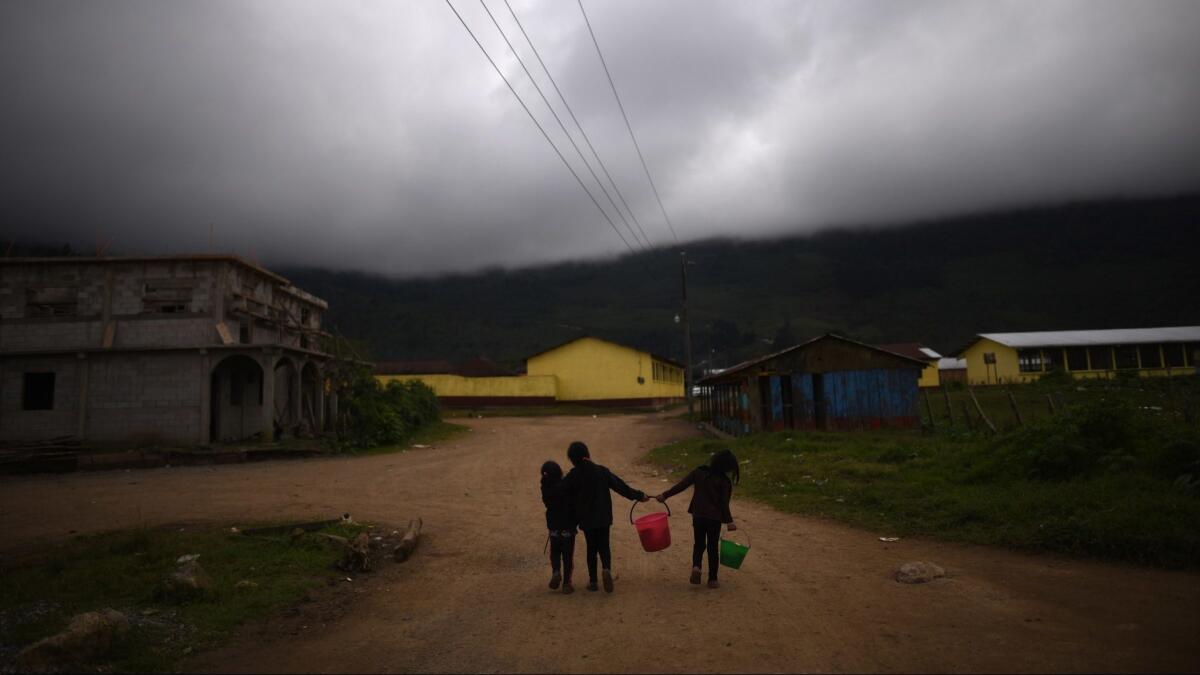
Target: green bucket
733	553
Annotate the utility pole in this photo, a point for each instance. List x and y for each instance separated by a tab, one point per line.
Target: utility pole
687	337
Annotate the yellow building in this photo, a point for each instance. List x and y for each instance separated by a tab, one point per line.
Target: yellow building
594	371
1001	358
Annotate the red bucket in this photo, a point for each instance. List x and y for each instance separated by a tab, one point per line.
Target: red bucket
652	529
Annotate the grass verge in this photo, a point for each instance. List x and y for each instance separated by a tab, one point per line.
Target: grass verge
966	488
123	569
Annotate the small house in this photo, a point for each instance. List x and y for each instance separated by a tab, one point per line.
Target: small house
829	382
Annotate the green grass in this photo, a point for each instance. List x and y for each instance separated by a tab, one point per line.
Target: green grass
430	434
1025	490
122	570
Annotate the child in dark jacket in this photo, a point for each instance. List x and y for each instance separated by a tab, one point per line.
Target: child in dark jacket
560	520
587	485
713	487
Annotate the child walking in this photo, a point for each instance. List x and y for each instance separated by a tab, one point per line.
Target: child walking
587	485
713	486
560	520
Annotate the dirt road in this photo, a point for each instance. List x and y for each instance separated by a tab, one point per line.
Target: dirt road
812	595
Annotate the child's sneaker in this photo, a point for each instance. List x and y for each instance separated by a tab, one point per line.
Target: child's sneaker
555	580
695	578
568	587
713	583
608	586
592	585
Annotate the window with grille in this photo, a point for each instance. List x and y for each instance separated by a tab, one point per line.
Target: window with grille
1151	358
1077	358
1029	360
1173	355
1127	357
1100	357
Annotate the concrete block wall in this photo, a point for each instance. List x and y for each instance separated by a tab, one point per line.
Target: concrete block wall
145	398
19	424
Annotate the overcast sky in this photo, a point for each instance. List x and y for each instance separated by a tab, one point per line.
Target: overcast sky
375	135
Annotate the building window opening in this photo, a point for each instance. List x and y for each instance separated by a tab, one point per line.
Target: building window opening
304	313
1077	358
1127	357
1029	360
166	296
51	301
38	391
1151	358
1053	359
1100	357
1191	351
244	332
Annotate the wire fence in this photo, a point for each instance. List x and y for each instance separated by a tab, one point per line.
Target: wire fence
1000	408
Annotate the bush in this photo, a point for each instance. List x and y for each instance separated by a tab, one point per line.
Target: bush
375	415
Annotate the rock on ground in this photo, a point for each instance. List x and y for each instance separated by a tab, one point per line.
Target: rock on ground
87	637
918	572
187	581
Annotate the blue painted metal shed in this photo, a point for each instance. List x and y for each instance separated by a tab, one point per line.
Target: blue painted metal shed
830	382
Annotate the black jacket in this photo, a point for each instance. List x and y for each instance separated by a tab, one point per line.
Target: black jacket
560	513
710	498
588	485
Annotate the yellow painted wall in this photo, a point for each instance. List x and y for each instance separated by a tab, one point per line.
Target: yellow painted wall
592	369
929	376
457	385
1007	369
1004	370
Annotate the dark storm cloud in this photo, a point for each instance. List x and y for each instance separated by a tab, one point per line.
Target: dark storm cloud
374	135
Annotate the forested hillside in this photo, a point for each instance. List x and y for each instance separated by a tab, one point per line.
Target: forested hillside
1096	265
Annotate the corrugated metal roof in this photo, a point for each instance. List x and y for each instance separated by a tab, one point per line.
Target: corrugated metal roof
913	350
1082	338
828	336
948	363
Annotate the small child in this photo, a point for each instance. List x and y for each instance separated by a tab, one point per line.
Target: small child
560	520
713	485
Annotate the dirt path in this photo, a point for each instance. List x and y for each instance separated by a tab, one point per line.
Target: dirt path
813	595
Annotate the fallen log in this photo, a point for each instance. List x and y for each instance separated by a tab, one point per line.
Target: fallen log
408	543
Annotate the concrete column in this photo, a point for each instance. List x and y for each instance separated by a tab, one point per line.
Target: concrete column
202	437
319	402
294	409
82	370
333	408
267	361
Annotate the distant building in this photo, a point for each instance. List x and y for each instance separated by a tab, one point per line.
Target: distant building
916	350
582	371
592	371
830	382
998	358
179	350
952	370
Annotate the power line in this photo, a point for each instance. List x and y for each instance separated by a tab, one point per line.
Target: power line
540	128
561	125
627	124
577	124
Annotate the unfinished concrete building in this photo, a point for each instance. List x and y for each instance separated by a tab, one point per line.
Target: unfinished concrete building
175	350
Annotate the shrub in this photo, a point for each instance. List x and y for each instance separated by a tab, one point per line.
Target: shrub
373	415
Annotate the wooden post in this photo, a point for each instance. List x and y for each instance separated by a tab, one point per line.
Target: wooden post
982	415
949	410
929	410
1012	400
1050	400
967	416
1062	402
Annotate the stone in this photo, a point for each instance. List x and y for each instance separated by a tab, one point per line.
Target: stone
88	636
918	572
246	583
188	581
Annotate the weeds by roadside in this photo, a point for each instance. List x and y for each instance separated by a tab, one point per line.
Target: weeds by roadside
1104	481
122	570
